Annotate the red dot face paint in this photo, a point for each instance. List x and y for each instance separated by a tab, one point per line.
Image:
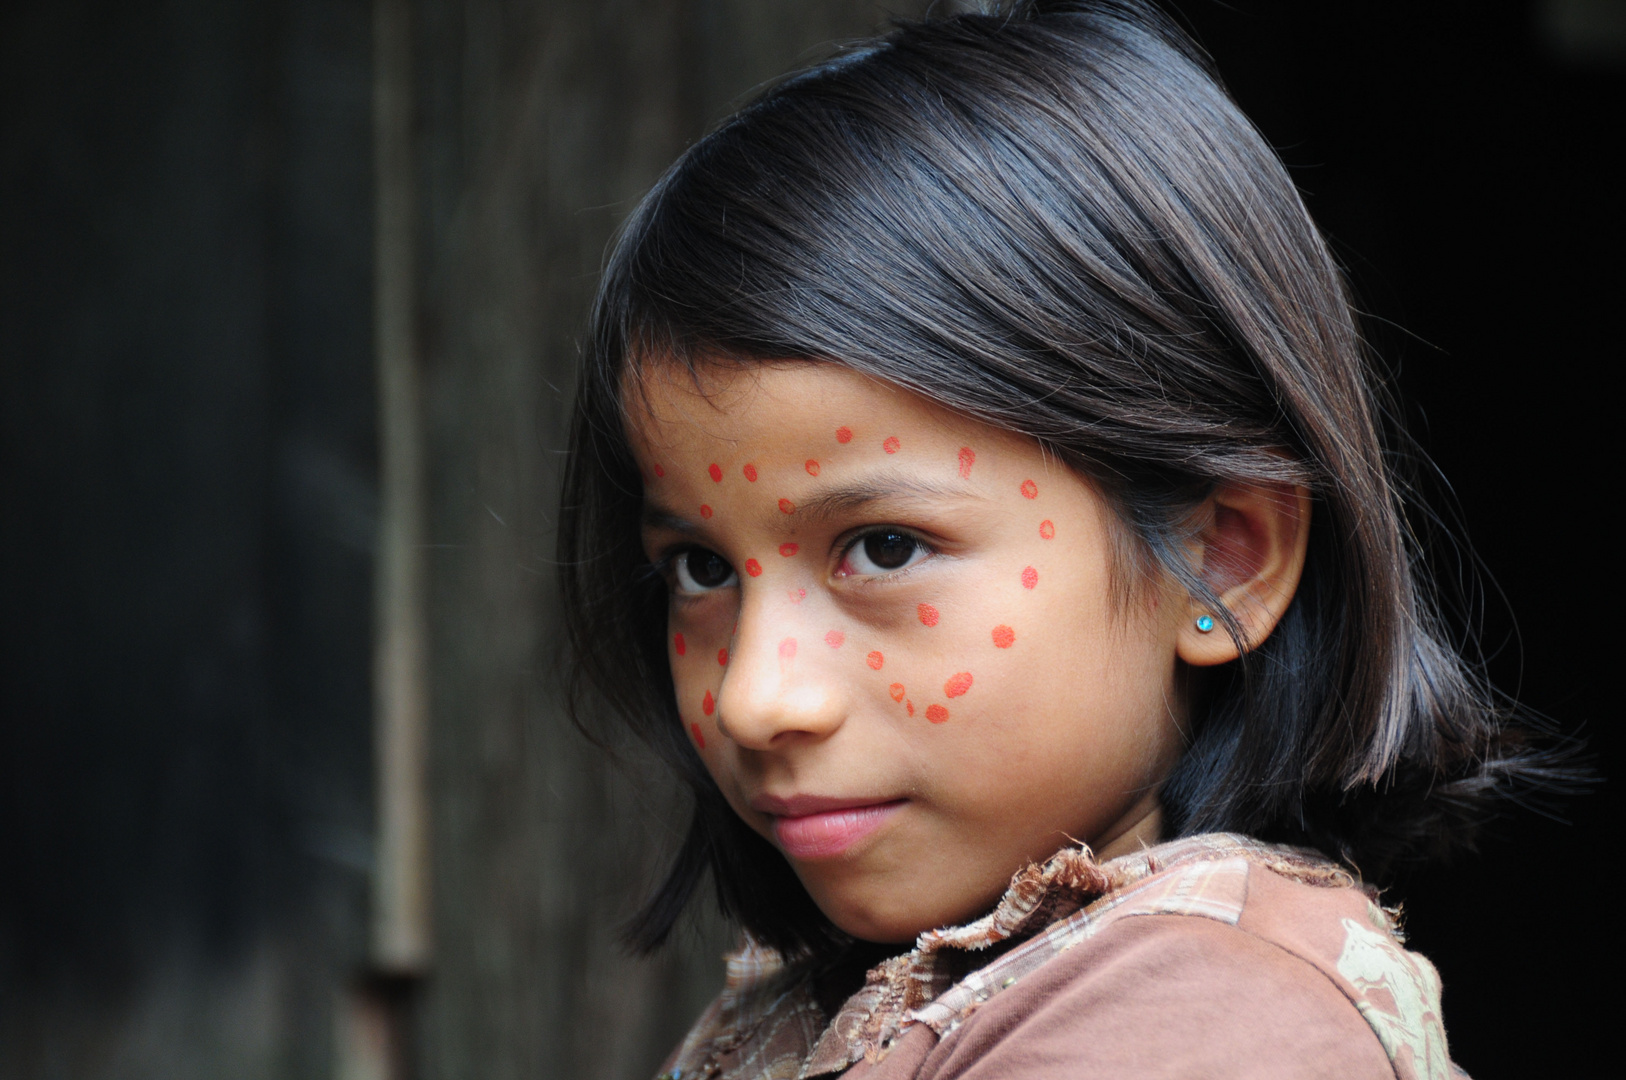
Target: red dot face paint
812	467
699	739
1030	490
716	472
968	458
957	684
936	714
1004	637
753	567
844	434
722	657
751	473
797	595
679	644
705	511
786	506
835	639
787	649
1047	529
909	707
787	550
708	704
896	690
891	445
660	473
875	660
928	615
1030	578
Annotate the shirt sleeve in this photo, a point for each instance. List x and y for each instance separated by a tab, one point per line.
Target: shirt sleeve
1155	996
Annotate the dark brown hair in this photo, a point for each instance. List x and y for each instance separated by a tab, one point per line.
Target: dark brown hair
1053	219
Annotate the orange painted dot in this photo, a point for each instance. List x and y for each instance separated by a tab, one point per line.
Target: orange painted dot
679	644
957	684
812	467
928	614
751	473
896	690
716	472
1030	490
787	649
1030	578
875	660
910	707
835	639
787	550
936	714
786	506
968	458
722	657
705	511
891	445
844	434
700	740
1047	529
1004	637
753	567
659	472
797	595
708	704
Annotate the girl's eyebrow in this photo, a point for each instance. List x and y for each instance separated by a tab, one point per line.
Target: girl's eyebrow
819	508
847	498
655	517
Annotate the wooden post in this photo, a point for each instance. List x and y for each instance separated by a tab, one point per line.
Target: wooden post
400	929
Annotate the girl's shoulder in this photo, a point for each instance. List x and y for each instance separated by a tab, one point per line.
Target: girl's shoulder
1213	954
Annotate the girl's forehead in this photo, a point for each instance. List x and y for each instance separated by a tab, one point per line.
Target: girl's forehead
673	408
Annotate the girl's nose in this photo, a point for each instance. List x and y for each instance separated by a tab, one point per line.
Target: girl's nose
778	688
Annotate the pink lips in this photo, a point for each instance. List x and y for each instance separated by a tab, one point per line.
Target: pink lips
806	829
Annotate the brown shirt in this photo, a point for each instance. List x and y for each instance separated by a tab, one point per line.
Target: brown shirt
1212	956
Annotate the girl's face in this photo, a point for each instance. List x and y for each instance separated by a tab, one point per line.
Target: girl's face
894	640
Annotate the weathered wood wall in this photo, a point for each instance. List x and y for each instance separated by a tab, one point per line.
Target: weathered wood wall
186	520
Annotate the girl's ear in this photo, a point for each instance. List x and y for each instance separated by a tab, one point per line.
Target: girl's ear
1250	552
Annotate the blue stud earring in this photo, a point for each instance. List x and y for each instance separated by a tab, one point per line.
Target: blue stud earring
1205	623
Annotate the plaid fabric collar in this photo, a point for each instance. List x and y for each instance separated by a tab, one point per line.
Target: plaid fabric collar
768	1024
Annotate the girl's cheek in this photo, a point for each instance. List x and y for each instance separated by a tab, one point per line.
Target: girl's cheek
699	636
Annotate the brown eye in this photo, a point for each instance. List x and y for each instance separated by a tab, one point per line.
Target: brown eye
889	550
883	551
699	570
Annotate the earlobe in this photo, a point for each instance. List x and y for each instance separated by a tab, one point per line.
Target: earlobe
1251	555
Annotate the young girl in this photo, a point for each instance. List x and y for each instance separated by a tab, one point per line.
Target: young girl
977	496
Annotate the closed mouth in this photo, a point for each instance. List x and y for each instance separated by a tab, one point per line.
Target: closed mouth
829	832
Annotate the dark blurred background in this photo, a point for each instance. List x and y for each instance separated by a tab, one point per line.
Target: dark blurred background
202	212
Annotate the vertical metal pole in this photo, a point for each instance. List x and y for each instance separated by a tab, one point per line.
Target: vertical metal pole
401	939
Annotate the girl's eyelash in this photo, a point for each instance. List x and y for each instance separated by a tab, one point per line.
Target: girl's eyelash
848	546
661	567
668	563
